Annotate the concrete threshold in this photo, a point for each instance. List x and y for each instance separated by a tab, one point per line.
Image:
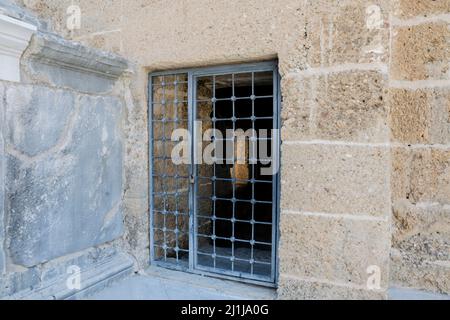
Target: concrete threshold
163	284
409	294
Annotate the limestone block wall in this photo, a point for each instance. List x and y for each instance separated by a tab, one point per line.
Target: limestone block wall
420	108
365	112
61	170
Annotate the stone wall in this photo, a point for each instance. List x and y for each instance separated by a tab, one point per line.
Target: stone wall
364	113
61	177
2	186
420	124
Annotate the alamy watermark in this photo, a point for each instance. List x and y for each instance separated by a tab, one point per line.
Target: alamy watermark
73	281
73	21
374	279
231	147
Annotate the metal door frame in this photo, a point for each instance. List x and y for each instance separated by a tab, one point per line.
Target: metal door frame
192	74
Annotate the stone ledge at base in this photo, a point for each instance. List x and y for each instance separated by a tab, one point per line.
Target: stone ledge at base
93	279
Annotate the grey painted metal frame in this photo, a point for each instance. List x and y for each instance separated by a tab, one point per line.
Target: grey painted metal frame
192	266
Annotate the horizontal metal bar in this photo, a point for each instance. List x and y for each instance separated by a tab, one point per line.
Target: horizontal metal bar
168	84
234	258
235	220
232	275
217	119
236	240
173	213
243	68
234	180
237	98
170	120
171	248
232	200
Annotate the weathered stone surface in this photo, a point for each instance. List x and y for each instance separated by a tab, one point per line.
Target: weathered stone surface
37	117
334	249
352	106
110	41
347	106
420	116
14	282
103	16
295	289
421	175
2	182
419	274
335	179
422	232
15	10
63	63
412	8
338	33
421	246
421	52
298	100
68	199
98	268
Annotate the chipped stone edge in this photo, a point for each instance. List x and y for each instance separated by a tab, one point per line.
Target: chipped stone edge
99	276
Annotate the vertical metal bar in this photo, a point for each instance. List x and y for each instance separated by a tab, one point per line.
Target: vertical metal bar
278	180
214	172
164	168
275	156
233	224
151	164
192	88
254	155
175	127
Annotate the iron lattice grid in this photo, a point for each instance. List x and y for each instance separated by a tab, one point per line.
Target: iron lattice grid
176	191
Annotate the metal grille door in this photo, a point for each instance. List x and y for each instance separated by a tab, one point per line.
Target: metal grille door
214	202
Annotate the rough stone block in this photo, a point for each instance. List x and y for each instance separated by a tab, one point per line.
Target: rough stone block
424	275
335	179
294	289
339	33
334	249
421	52
411	8
37	117
69	198
352	107
422	232
421	175
347	106
298	100
420	116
